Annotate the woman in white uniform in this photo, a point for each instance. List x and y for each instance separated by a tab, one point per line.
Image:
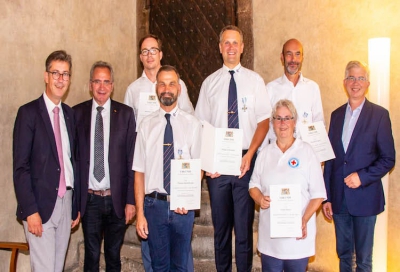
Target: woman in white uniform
287	161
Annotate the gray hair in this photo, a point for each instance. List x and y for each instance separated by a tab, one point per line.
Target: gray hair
288	104
356	64
102	64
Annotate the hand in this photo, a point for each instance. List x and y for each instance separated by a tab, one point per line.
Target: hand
181	211
75	222
215	175
353	180
130	212
35	224
327	210
303	230
141	226
246	161
265	202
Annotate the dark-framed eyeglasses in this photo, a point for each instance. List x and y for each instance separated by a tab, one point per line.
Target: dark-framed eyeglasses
56	75
152	51
282	119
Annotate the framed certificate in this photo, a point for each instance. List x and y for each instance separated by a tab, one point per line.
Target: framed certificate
185	184
285	211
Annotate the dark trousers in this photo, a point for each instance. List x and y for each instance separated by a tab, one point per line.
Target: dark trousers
271	264
100	220
232	207
169	237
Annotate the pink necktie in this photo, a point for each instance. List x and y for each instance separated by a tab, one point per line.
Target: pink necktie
57	133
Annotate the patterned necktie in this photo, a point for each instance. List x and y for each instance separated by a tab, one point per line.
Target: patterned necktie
233	118
98	169
62	187
168	152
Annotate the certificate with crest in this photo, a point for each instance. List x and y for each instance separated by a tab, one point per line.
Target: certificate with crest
185	184
221	150
315	134
285	211
148	103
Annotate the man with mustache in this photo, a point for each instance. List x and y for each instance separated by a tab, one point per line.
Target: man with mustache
292	85
150	48
163	135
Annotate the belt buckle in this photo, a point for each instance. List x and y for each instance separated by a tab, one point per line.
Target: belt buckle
168	198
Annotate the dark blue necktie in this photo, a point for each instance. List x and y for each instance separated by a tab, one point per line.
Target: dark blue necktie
233	118
168	152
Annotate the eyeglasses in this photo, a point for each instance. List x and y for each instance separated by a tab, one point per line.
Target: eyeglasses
354	79
56	75
282	119
97	82
152	51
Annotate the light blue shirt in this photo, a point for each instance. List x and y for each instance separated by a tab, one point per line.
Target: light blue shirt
350	121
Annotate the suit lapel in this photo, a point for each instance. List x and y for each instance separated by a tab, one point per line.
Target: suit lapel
49	128
87	122
361	122
68	123
113	122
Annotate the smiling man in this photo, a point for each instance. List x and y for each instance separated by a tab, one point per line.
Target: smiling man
361	136
234	97
292	85
45	179
106	136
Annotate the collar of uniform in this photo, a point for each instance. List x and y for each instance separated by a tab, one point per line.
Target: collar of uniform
174	112
106	106
236	68
286	80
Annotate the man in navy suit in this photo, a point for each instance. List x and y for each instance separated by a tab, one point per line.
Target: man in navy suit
361	136
106	136
44	168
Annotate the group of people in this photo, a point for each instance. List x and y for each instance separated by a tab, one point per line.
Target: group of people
102	163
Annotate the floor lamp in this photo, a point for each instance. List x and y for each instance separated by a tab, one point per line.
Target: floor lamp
379	93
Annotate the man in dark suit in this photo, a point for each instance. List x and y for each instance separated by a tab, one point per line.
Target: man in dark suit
106	136
361	136
44	168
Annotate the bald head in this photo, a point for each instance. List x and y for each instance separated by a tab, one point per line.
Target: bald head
292	43
292	57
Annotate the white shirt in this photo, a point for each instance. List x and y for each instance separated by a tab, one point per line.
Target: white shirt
66	147
105	113
272	167
305	96
149	151
253	100
144	85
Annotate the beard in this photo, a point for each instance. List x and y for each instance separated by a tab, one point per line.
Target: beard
167	101
291	70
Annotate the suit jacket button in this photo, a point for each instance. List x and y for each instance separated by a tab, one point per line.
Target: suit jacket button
345	162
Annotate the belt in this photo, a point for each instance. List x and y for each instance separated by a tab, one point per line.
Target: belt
69	188
106	192
159	196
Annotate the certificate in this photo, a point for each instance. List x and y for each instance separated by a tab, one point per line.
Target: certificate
185	184
315	134
221	150
148	103
285	211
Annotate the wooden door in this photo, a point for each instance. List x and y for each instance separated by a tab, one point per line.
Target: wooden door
189	30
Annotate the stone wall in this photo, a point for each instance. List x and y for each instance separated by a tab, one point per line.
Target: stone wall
31	30
333	32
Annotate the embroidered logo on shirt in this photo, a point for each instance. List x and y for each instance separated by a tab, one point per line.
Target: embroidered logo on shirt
293	162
